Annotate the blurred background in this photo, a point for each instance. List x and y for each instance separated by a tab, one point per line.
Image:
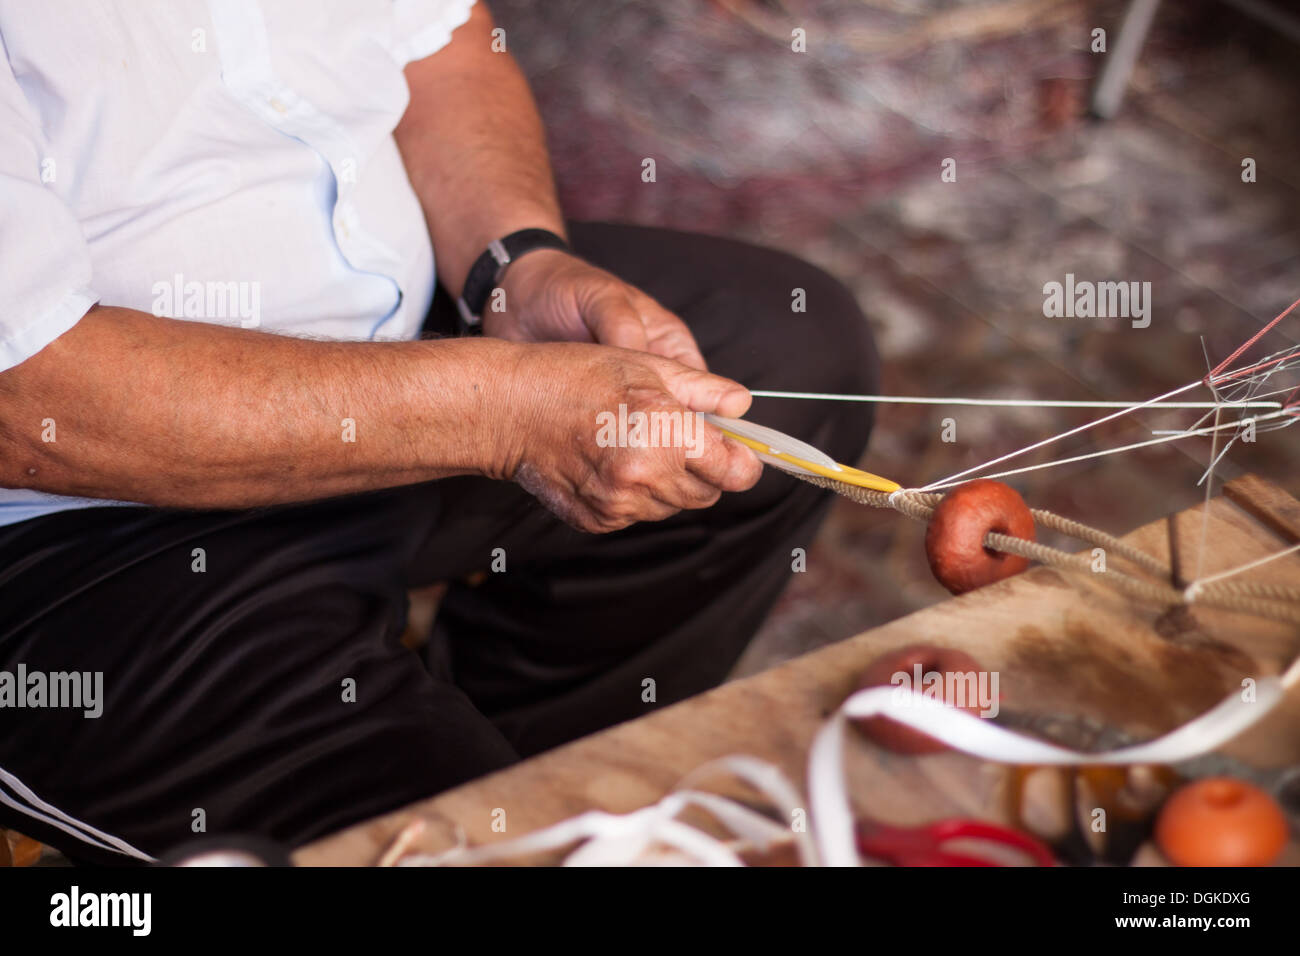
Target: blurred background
835	155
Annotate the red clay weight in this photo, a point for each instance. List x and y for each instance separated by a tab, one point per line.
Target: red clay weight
880	673
954	539
1220	821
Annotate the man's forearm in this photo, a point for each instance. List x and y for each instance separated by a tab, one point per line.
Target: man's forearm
187	414
474	148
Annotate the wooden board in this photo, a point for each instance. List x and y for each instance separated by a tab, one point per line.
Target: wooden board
1070	650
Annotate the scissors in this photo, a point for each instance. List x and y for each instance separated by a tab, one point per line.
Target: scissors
924	845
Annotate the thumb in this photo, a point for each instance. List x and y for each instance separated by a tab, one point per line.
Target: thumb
705	392
612	320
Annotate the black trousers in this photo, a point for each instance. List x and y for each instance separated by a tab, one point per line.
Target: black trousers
268	694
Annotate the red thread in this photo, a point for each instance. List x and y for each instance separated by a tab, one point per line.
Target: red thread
1216	374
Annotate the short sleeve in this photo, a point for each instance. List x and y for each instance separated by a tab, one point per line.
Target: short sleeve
45	267
423	27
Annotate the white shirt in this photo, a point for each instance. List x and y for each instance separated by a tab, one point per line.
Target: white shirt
226	161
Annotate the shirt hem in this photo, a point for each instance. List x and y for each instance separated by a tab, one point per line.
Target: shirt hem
30	339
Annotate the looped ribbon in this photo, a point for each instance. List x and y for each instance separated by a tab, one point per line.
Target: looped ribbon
969	733
655	835
639	837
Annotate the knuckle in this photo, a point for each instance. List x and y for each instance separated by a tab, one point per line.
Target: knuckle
625	507
636	469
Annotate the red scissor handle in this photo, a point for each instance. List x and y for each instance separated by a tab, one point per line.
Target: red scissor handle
923	846
955	829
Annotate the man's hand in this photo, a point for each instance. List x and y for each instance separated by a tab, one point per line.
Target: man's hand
550	444
129	388
553	296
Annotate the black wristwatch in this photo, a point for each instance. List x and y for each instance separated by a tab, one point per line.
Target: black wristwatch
488	269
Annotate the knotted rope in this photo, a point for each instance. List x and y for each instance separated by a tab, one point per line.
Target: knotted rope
1274	601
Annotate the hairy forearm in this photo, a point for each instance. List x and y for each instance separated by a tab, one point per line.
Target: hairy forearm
186	414
474	149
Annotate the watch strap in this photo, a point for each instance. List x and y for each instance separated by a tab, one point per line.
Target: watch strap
489	267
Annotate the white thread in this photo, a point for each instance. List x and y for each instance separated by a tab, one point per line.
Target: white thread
1209	471
995	402
1199	582
951	479
1208	477
958	479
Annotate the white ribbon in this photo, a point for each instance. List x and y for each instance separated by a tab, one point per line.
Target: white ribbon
609	839
832	813
654	834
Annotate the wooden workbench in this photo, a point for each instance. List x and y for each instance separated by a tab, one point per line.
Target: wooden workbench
1067	648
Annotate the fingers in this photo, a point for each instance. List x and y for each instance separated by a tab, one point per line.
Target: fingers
662	498
614	320
644	485
633	320
654	459
699	463
724	464
596	506
669	336
706	392
693	493
683	491
680	479
623	316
